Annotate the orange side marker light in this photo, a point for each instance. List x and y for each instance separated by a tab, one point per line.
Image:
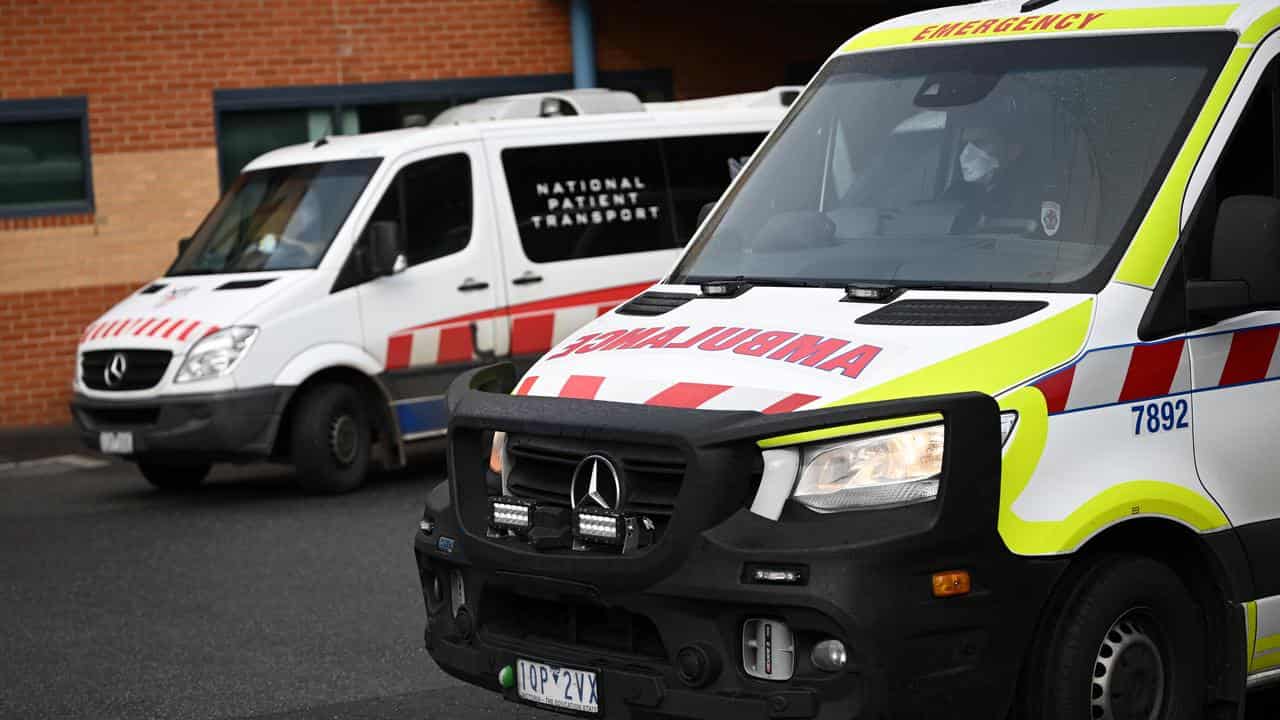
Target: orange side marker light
952	583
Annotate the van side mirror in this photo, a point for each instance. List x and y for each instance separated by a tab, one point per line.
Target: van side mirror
1244	264
386	257
183	244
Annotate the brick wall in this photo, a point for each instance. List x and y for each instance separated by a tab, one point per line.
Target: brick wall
716	47
38	335
148	67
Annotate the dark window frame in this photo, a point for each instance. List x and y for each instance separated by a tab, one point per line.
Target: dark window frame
62	108
337	98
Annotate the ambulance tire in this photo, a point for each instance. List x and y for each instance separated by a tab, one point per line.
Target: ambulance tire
330	444
1125	640
174	477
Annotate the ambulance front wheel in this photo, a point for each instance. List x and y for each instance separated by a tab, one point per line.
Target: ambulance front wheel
1126	640
174	476
330	444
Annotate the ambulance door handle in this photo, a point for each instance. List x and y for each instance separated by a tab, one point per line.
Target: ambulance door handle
471	285
528	278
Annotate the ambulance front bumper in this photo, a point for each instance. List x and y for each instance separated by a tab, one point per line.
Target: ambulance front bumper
223	426
643	622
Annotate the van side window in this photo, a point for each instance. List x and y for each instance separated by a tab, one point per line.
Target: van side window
700	170
431	200
1248	166
589	200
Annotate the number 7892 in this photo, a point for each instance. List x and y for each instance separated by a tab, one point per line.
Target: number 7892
1160	416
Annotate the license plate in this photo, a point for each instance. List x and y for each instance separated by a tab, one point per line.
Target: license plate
556	686
116	443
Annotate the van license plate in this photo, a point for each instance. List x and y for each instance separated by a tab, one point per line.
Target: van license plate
556	686
116	443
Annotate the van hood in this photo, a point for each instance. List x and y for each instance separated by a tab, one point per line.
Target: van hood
174	312
785	349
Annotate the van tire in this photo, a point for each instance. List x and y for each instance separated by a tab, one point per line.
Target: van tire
1127	632
174	476
331	439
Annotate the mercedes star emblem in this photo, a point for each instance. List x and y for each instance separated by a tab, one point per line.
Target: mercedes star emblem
115	370
596	480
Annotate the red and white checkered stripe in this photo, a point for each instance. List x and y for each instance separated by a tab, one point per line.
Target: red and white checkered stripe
702	396
163	328
535	328
1111	376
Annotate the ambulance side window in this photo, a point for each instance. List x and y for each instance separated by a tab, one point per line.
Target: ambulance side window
431	200
1248	166
589	199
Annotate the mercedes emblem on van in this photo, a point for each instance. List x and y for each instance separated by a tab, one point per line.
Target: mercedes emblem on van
113	374
596	482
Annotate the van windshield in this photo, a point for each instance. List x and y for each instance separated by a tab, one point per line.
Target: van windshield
276	219
1013	165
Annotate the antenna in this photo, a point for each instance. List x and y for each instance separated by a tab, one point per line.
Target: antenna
1030	5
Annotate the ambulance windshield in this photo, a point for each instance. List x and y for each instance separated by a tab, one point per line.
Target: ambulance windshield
1012	165
276	219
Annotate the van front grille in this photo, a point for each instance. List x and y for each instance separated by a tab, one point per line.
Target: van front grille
542	470
119	370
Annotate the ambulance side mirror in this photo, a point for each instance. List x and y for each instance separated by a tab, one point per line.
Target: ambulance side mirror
1244	264
386	257
183	244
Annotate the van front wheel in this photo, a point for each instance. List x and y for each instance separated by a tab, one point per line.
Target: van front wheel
330	445
1126	641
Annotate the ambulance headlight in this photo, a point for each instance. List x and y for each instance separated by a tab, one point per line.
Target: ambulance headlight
901	468
217	354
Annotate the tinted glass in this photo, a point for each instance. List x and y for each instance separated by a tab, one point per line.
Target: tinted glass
431	200
589	200
276	219
699	169
1022	165
41	163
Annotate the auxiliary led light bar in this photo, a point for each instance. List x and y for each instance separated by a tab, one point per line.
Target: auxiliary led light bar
605	527
508	513
600	526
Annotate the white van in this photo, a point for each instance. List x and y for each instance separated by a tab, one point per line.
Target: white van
963	402
320	311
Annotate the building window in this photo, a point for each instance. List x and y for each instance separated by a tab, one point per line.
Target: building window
44	158
254	121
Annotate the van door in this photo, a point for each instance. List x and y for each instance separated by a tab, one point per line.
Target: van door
1234	365
443	313
595	223
591	227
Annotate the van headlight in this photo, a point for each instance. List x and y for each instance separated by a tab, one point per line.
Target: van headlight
217	354
901	468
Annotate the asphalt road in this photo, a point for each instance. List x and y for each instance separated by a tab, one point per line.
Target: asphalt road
246	599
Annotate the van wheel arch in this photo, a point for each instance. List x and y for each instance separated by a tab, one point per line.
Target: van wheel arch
1204	568
386	436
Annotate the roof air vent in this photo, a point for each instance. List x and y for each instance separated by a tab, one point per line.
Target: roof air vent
952	312
655	303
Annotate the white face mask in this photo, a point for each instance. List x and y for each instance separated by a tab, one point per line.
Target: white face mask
977	164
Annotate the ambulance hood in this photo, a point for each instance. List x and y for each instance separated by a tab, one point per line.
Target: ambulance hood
174	312
778	349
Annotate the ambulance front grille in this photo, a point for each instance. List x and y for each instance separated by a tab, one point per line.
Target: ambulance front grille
542	470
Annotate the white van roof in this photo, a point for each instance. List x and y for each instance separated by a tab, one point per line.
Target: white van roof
999	20
587	101
697	119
